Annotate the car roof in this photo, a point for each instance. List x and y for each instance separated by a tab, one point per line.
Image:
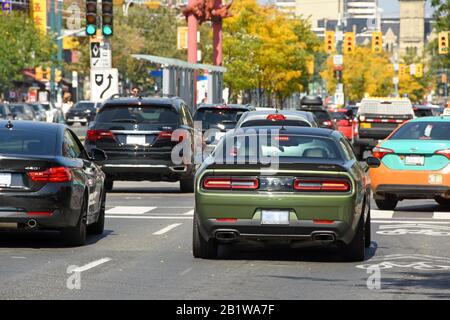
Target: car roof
431	119
32	125
224	106
135	101
262	114
317	132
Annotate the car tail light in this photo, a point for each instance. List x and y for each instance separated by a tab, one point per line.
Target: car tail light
281	138
58	174
226	220
40	213
362	118
379	152
327	123
276	117
321	185
444	152
164	135
95	135
225	183
323	221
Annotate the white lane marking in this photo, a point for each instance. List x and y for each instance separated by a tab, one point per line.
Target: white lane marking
18	257
92	265
408	221
189	213
381	214
185	272
129	210
166	229
151	217
441	215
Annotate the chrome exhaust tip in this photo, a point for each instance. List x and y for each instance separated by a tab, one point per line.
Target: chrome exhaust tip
226	235
178	168
32	223
324	237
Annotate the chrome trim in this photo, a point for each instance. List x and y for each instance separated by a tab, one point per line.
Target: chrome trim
137	132
135	165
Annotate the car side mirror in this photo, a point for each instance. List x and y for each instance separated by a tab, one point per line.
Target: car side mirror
373	162
98	155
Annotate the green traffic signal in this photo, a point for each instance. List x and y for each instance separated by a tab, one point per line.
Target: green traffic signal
91	30
107	31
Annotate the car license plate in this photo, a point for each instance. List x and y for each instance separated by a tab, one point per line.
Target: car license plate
435	179
76	118
5	179
135	139
414	160
365	125
274	217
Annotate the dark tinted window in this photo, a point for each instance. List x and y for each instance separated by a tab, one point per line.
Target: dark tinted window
27	142
263	123
84	106
71	149
17	108
423	113
423	131
215	116
339	116
161	115
321	115
2	111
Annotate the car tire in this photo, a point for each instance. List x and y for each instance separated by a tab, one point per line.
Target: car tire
442	201
202	248
84	124
69	124
98	227
367	230
187	185
355	250
386	204
76	236
109	184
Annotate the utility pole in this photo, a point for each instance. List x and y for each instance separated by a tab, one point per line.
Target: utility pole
338	40
52	34
60	44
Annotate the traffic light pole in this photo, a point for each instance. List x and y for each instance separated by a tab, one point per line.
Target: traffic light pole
60	42
52	33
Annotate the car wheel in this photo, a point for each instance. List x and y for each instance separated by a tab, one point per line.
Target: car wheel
200	247
355	250
187	185
386	204
69	124
76	236
367	230
442	201
109	184
98	227
84	124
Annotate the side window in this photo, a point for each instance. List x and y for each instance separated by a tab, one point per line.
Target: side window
71	149
344	148
349	149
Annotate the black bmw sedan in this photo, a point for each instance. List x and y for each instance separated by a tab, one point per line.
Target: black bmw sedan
49	182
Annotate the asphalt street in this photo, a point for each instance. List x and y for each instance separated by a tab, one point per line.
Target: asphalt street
145	253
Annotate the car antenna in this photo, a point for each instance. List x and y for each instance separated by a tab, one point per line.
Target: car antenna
9	125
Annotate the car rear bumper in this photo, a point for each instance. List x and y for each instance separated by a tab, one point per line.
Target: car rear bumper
53	207
409	184
300	230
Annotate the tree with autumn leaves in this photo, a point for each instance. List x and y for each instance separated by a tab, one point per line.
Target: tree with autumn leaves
265	49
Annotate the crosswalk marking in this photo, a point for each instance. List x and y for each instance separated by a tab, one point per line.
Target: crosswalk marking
441	215
381	214
122	210
166	229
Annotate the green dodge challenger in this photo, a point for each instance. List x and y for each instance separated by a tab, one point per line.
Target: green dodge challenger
282	183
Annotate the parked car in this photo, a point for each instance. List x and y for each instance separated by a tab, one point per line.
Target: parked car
5	113
318	193
314	104
22	112
39	111
414	163
136	134
82	112
49	182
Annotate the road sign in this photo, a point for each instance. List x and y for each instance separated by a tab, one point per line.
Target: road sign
104	84
100	54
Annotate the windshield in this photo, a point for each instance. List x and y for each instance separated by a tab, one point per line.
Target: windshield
17	108
161	115
212	117
84	106
423	131
289	147
27	142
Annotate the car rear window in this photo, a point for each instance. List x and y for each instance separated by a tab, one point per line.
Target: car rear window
423	113
321	115
265	123
290	147
339	116
213	116
84	106
27	142
154	114
423	131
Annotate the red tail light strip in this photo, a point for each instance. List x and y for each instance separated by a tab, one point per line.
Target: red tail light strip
40	213
321	185
384	120
225	183
58	174
95	135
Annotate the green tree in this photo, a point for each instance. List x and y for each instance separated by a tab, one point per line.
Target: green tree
22	46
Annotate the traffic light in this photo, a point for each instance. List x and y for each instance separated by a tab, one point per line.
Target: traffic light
329	41
39	73
58	75
377	42
443	42
91	17
107	17
349	42
419	70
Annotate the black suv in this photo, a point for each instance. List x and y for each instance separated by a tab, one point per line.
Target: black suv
82	112
136	135
314	104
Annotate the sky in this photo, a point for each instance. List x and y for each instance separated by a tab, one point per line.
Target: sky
392	8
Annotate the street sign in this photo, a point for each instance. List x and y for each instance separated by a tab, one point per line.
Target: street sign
104	84
100	55
6	6
412	69
338	59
